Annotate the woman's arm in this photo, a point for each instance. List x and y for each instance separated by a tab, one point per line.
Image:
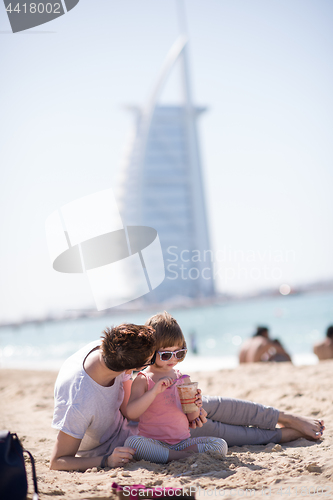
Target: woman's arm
65	448
140	398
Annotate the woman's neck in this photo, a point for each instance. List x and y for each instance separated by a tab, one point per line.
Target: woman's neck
95	367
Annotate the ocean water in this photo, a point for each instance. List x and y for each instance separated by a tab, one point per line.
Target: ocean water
297	320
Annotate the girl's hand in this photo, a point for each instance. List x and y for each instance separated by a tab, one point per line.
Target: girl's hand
120	456
198	422
162	384
198	399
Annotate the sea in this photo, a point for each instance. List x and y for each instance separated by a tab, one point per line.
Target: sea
214	333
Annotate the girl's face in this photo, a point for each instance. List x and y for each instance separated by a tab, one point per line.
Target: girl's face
168	357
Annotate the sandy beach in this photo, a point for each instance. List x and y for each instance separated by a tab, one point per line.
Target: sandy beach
302	469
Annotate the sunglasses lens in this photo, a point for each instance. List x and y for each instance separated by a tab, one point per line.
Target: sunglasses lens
166	356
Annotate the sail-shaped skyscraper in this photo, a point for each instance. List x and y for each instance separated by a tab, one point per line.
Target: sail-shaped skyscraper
161	186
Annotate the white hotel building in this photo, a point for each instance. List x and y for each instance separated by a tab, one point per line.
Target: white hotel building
161	186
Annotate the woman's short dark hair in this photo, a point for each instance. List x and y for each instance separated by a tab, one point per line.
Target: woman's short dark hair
127	346
167	331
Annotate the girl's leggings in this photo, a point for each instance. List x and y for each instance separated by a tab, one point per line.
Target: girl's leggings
158	451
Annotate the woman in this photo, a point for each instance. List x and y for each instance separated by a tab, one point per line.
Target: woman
91	394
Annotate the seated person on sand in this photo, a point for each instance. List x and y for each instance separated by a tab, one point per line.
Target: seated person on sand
261	348
324	349
92	392
163	430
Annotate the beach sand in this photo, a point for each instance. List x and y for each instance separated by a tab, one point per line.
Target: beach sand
272	471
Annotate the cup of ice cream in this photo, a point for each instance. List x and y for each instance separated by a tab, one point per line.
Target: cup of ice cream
187	394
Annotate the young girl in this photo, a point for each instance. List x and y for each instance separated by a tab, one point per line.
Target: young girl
163	426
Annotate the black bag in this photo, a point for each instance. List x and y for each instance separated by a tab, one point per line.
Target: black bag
13	476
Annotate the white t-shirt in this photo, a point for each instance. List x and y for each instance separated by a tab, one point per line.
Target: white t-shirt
88	411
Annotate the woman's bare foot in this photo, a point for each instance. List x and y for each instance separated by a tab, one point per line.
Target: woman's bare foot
289	435
307	427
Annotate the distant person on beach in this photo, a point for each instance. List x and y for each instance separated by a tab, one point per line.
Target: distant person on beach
164	433
194	343
261	348
93	387
324	349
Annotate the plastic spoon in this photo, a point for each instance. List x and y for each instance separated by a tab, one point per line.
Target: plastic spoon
177	380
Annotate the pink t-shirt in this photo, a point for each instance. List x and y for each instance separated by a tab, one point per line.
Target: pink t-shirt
164	419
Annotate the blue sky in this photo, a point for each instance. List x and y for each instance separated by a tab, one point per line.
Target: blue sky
263	69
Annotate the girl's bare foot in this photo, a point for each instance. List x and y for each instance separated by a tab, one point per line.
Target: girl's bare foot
307	427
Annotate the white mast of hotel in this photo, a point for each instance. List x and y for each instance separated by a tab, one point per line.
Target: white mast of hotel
162	184
202	242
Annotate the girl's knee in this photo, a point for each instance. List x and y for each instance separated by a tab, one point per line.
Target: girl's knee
222	446
214	444
131	441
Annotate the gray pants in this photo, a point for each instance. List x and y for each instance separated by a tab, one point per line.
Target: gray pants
239	422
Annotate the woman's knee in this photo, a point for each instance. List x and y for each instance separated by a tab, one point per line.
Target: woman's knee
211	403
